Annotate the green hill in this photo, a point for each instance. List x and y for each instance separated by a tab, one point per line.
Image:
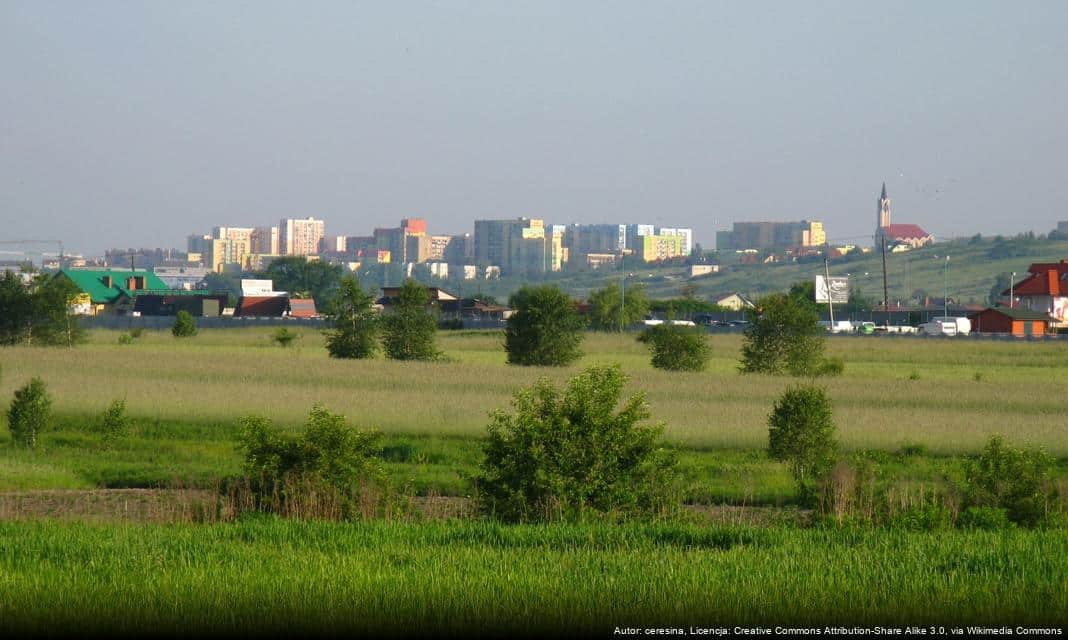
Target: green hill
974	265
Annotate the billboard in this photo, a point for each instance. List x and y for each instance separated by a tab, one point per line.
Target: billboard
834	289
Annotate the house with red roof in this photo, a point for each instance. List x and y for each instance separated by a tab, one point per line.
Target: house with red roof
1045	290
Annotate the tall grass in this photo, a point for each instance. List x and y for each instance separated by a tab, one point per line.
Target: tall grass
478	576
222	374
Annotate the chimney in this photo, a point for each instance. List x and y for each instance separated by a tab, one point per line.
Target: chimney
107	281
1054	282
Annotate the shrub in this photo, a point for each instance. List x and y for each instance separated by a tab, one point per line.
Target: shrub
355	331
1010	478
409	331
544	328
185	326
801	432
927	517
125	338
330	455
114	423
283	337
137	332
831	367
677	348
987	518
783	336
570	454
915	375
30	413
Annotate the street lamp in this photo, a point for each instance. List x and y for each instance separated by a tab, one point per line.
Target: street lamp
945	289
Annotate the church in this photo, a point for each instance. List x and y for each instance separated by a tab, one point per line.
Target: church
911	236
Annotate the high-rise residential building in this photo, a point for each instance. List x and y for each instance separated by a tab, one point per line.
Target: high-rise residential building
300	236
519	245
771	235
460	250
685	234
652	248
438	245
241	239
265	241
632	233
215	253
581	240
333	244
407	243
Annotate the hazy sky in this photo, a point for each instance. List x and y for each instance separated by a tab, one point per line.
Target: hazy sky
138	123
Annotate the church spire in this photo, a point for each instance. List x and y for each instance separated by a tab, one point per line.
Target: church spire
883	196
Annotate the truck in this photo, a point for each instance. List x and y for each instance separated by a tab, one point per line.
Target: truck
839	326
947	326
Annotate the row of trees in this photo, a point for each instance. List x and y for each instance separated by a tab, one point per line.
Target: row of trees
407	332
38	312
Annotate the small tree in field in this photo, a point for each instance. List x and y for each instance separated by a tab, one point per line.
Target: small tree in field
355	332
30	413
568	454
613	310
544	328
283	337
330	454
184	325
783	336
801	432
114	423
409	332
1006	477
677	347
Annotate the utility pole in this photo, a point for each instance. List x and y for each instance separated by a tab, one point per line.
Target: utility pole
622	287
830	305
886	294
1012	283
945	289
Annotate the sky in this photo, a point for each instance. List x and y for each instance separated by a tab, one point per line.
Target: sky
133	124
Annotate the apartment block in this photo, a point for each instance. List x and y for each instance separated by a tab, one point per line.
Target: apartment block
300	236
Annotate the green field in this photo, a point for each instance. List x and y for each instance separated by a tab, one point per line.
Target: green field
740	551
481	577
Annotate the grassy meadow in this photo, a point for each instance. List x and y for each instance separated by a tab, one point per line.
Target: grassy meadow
96	551
485	578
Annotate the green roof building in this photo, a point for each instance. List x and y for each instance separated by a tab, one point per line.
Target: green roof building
106	286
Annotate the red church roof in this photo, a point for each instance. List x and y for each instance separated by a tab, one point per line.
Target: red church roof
904	231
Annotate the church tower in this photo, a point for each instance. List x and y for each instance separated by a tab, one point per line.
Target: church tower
882	217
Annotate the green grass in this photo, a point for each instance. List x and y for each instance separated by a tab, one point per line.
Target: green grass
456	576
220	375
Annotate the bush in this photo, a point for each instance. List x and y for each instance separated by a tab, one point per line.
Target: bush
928	517
570	454
801	432
544	328
986	518
185	326
113	423
783	336
409	331
283	337
137	332
831	367
355	332
30	413
125	338
677	348
1006	477
330	455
